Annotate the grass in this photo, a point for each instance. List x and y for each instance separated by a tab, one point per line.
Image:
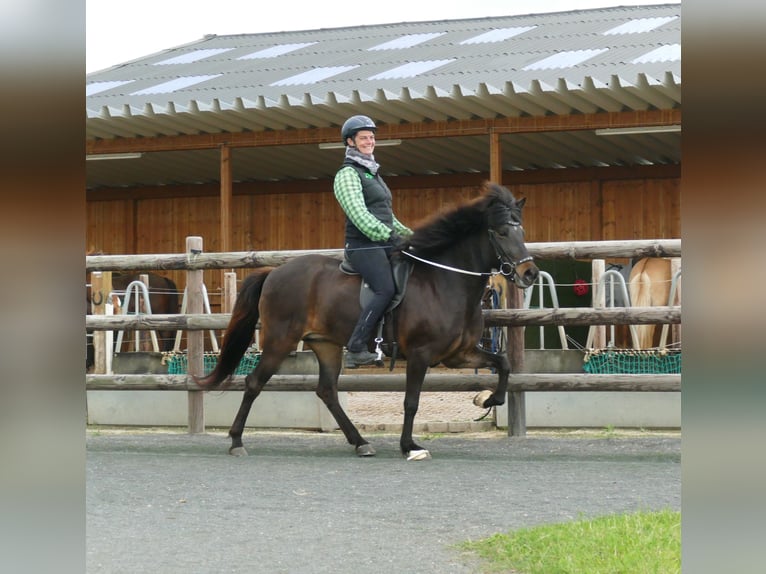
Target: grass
640	543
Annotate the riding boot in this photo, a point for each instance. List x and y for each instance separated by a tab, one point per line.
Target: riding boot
358	352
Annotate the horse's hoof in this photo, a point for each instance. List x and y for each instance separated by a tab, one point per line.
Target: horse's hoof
418	455
237	451
365	450
481	398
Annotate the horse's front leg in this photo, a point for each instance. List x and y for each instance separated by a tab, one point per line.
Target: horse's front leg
503	367
416	372
478	358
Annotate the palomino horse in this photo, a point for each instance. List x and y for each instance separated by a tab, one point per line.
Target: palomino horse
439	320
649	286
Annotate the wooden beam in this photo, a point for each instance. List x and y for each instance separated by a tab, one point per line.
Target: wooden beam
495	158
517	382
517	417
251	259
402	183
455	128
568	316
195	339
226	192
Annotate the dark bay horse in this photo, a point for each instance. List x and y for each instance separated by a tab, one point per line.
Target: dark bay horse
438	321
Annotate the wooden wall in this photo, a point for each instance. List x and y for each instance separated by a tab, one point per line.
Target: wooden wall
562	205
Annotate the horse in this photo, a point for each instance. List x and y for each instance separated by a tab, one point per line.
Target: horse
439	319
649	286
163	298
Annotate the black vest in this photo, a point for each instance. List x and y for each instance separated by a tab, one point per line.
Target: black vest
377	198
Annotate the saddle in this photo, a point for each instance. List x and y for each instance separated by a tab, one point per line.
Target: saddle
401	269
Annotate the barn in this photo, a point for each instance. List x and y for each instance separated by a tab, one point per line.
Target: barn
236	138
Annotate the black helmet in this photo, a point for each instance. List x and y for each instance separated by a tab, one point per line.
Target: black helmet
355	124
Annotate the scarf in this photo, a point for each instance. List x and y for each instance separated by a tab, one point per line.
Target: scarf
364	159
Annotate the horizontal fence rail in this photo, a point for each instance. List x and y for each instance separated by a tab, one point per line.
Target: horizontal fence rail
241	259
517	382
492	318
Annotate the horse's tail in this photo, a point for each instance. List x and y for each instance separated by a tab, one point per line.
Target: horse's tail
239	333
641	296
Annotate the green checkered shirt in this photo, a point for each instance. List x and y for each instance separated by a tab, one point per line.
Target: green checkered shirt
348	192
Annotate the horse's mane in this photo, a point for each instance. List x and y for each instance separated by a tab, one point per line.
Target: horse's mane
442	230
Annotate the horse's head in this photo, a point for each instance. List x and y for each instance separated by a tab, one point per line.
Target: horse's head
506	234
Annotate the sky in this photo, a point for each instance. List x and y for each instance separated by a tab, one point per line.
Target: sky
119	31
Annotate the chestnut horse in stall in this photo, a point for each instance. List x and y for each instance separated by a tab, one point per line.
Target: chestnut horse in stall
163	298
439	320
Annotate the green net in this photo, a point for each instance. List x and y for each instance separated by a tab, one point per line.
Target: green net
177	363
632	362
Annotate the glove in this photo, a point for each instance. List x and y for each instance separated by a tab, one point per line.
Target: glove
397	241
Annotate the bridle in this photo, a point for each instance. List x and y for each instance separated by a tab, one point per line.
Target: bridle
507	267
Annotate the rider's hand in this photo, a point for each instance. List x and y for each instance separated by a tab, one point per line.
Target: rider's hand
397	241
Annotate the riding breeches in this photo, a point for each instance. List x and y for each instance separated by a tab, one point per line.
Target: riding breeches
373	265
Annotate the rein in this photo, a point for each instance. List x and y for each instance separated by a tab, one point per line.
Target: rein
507	268
448	268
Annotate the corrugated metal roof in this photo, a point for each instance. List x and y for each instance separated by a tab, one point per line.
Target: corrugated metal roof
585	61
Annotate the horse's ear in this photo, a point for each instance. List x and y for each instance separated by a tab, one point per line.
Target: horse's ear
520	203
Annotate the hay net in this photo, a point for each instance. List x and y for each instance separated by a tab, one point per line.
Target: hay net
177	362
634	362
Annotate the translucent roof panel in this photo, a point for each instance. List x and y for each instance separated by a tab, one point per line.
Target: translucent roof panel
174	85
275	51
410	70
98	87
498	35
406	41
638	25
313	76
193	56
668	53
565	59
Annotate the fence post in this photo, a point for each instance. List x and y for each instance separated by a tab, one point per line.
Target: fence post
100	288
195	339
598	268
675	266
229	291
517	414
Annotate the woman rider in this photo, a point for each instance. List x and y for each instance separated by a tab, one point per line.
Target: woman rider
372	230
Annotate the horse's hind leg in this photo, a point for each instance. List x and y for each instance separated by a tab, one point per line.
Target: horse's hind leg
330	356
254	383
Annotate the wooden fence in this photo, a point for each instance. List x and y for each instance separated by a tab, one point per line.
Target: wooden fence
195	323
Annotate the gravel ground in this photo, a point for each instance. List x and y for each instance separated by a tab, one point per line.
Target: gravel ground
437	412
166	501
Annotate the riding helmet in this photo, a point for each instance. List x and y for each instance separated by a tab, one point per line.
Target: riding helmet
355	124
